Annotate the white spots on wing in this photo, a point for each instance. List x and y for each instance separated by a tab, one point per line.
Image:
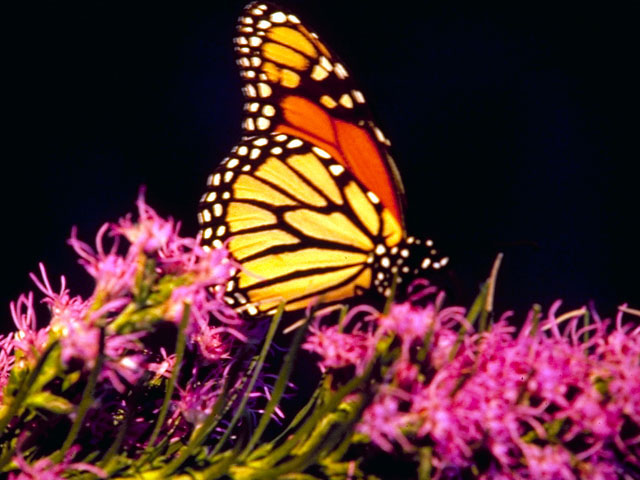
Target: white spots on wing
256	11
345	101
255	61
263	24
243	150
325	63
241	40
264	90
251	309
228	176
211	197
429	243
318	73
269	110
280	138
425	263
404	253
373	197
225	196
260	142
246	29
444	261
278	17
293	19
246	168
233	163
276	150
221	230
255	153
217	243
295	143
217	209
243	62
206	215
252	107
380	249
248	124
336	169
320	152
340	71
216	179
262	123
207	233
255	41
249	90
357	94
379	135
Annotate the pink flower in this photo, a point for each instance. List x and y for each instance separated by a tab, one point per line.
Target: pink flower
30	340
382	421
196	401
45	469
151	232
338	349
6	360
113	273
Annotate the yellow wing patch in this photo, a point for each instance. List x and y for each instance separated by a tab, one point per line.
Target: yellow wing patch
276	172
250	188
271	296
314	172
281	264
242	216
246	244
293	38
333	227
361	205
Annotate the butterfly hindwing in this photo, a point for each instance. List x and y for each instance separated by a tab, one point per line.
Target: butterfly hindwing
299	223
294	84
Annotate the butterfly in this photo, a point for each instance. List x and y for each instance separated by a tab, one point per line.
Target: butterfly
310	203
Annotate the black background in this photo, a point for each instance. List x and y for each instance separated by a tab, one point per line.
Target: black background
514	130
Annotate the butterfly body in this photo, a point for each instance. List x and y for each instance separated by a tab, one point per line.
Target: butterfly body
310	203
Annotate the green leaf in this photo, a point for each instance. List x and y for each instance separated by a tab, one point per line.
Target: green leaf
49	401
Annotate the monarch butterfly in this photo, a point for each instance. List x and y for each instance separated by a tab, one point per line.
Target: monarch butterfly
310	202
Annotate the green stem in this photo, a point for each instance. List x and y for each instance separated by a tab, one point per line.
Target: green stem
201	434
332	402
85	402
474	311
273	328
168	394
23	390
278	388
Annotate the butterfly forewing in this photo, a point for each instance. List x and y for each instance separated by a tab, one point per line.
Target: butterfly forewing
295	84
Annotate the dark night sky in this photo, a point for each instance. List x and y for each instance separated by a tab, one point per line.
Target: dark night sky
512	130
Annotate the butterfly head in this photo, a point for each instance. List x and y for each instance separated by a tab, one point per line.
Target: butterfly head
411	258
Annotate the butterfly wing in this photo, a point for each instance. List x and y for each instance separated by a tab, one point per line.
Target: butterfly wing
298	222
294	84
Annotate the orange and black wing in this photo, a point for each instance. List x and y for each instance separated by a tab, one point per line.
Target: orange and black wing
294	84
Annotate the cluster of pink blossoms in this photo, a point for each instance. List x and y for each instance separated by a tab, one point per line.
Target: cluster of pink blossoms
540	401
147	276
